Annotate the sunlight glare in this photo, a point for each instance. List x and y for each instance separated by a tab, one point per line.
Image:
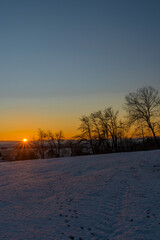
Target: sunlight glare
24	140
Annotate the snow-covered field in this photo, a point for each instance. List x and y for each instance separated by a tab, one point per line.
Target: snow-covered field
110	197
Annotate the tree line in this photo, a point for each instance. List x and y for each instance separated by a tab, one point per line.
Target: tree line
105	131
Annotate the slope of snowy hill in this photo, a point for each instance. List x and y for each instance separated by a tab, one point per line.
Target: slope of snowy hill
105	197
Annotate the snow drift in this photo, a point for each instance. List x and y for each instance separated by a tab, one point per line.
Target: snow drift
113	196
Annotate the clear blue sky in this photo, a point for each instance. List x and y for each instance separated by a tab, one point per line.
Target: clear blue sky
64	58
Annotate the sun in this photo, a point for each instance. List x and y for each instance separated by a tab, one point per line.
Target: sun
25	140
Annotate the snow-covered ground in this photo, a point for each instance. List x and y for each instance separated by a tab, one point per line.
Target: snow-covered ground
110	197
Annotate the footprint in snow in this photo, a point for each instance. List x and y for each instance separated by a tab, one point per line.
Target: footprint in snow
71	237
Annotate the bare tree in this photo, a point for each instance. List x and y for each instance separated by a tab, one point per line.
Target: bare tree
103	123
112	119
115	129
40	143
52	144
98	133
55	143
144	105
141	132
86	129
102	129
59	137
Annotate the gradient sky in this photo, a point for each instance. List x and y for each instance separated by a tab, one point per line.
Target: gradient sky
60	59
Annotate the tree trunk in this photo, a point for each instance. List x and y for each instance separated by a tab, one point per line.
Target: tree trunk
154	135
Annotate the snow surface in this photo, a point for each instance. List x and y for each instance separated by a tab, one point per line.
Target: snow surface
110	197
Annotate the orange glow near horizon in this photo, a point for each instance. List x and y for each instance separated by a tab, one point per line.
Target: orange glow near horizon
14	130
31	134
22	119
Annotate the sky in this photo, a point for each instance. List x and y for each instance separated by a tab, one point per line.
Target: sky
61	59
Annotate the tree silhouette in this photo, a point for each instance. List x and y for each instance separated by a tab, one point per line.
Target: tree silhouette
144	105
